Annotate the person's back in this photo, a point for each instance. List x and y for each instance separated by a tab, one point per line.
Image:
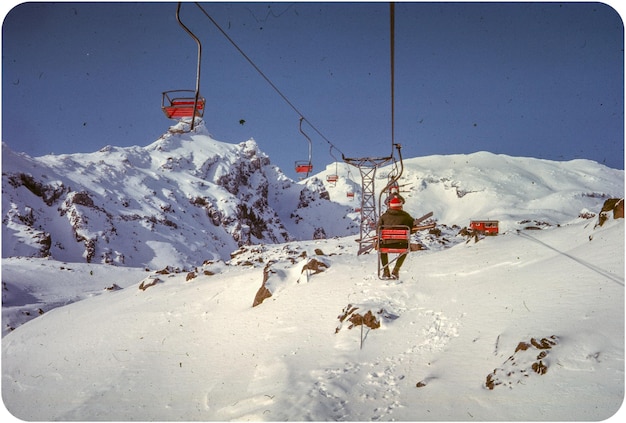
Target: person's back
394	216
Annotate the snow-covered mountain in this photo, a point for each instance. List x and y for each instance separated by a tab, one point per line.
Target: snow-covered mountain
192	280
182	200
188	198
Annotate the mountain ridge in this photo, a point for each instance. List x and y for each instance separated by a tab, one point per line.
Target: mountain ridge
185	195
187	198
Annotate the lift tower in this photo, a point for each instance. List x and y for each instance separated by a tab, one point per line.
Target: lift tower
369	212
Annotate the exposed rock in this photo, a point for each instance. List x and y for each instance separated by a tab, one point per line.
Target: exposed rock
529	358
263	293
147	283
315	266
613	206
49	193
370	316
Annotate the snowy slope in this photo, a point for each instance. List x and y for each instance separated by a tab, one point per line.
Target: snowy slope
129	276
179	347
483	185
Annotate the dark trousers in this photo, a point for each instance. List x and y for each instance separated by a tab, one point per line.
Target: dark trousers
384	259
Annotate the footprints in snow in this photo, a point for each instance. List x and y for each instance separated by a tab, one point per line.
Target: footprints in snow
341	393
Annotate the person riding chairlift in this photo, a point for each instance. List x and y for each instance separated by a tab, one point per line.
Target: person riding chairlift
394	216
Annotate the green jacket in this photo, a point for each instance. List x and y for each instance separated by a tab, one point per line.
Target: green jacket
393	217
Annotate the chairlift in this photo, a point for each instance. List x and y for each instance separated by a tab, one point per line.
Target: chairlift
394	187
304	166
333	178
182	104
392	239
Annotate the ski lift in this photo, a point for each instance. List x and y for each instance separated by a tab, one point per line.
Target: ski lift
304	166
392	189
182	104
350	195
179	104
392	239
332	179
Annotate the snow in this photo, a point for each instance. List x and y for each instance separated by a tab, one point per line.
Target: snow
159	343
186	190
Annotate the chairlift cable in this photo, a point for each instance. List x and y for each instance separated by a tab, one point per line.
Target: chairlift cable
293	107
392	56
274	87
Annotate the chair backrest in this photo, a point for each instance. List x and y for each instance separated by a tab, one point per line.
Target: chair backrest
394	239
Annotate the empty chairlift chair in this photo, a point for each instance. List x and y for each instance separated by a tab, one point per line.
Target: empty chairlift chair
333	178
305	166
185	104
180	104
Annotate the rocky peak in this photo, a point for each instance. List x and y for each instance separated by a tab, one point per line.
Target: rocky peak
183	199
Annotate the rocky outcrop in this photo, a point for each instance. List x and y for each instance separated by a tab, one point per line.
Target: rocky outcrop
184	199
612	207
530	358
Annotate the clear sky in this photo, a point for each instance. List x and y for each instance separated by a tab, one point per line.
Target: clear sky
526	79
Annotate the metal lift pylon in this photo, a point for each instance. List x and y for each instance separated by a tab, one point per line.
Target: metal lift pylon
369	213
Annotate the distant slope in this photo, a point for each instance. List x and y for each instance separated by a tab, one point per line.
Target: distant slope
514	190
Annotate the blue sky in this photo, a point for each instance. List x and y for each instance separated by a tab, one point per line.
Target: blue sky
525	79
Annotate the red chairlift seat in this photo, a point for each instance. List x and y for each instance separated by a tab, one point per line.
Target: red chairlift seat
332	178
304	167
394	239
179	104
